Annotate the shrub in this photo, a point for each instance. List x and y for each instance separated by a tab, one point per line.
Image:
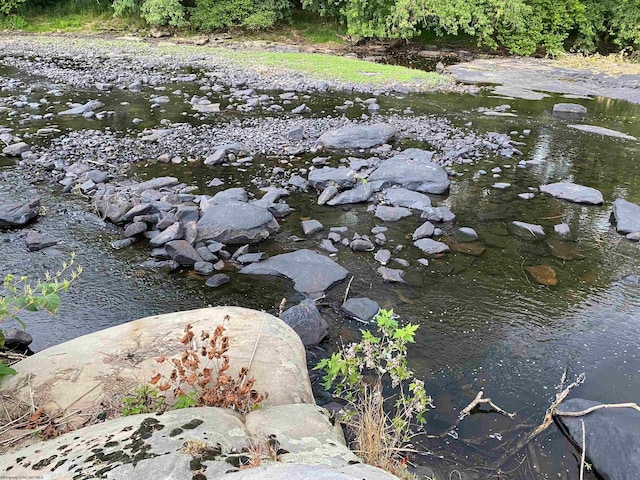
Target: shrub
211	15
357	373
9	6
158	13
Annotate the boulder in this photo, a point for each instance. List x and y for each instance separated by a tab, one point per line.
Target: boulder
363	308
16	338
382	256
309	227
112	204
307	322
311	272
415	174
171	233
236	223
573	193
84	368
612	437
321	178
627	216
569	109
401	197
423	231
35	241
182	252
358	136
217	280
391	214
19	214
16	149
360	193
327	194
430	246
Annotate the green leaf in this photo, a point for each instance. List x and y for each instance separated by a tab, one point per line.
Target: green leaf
6	370
185	401
51	302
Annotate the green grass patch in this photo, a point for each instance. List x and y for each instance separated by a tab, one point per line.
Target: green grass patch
330	67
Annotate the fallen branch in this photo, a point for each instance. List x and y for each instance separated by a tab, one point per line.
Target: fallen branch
584	448
603	406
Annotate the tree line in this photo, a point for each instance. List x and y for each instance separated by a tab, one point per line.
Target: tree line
516	26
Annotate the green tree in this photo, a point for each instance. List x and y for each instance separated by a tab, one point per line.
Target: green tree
211	15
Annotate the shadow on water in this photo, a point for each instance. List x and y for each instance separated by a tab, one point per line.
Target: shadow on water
486	323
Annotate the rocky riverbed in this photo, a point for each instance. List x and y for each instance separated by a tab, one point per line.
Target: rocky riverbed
484	221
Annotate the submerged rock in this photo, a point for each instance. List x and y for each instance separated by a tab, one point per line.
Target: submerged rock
603	131
534	230
358	136
430	246
569	109
543	274
19	214
307	322
391	275
612	437
627	216
573	193
362	308
311	272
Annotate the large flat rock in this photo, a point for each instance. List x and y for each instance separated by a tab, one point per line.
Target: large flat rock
236	223
607	132
612	438
573	193
358	136
417	174
19	214
311	272
95	368
627	216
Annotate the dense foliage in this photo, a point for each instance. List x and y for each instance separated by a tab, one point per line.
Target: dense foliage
8	6
519	25
210	15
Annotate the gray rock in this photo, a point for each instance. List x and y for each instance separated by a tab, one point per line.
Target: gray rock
415	174
526	196
19	214
125	242
438	214
391	275
35	241
321	178
307	322
82	109
468	232
298	182
240	251
562	229
167	265
327	194
155	184
203	268
569	109
360	193
173	232
301	109
236	223
216	158
602	131
16	338
295	134
401	197
627	216
327	245
634	236
311	272
361	245
383	256
140	209
501	185
16	149
612	437
97	176
251	257
430	246
182	252
535	230
573	193
309	227
135	228
358	136
391	214
237	194
362	308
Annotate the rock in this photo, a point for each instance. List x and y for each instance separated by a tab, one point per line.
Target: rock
501	185
363	308
569	109
565	251
430	246
203	268
35	241
112	205
217	280
97	176
300	109
562	229
295	134
634	236
391	214
16	149
251	257
423	231
612	437
468	232
306	321
626	214
321	178
16	338
526	196
573	193
237	194
135	228
543	274
124	243
438	214
82	109
327	194
603	131
309	227
216	158
171	233
466	248
534	230
311	272
391	275
360	193
416	174
19	214
401	197
236	223
382	256
358	136
327	245
155	184
182	252
161	265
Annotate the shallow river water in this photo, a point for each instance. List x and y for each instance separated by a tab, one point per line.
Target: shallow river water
485	323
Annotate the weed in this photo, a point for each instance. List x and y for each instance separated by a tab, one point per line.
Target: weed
145	399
